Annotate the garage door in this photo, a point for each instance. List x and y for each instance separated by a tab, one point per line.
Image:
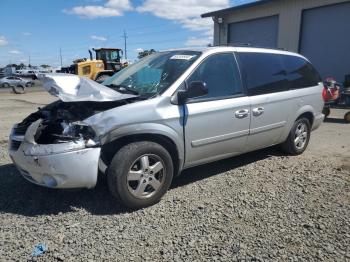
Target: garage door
259	32
325	39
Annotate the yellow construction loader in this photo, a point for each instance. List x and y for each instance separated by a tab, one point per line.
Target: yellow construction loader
106	63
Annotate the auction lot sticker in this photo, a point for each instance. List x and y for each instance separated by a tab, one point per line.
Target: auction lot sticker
182	57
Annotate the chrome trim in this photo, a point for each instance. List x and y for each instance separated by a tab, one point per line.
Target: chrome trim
242	113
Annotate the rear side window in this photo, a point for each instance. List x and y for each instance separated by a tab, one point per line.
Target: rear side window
268	73
263	73
221	75
300	73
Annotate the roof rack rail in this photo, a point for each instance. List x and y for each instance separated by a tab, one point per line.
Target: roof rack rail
250	45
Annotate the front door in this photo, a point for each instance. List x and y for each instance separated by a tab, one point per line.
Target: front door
216	125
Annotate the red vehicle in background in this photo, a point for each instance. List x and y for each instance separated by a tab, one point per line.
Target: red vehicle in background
336	97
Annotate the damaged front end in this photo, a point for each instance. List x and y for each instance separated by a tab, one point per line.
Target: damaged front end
53	147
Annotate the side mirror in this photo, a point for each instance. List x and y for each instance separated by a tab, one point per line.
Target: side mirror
195	89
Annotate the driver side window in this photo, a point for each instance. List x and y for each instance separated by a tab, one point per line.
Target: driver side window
220	74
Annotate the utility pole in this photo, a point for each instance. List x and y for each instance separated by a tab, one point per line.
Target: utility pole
61	56
125	37
29	61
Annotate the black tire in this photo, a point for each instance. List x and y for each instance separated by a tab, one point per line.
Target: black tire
19	89
124	160
289	145
347	117
101	78
5	85
326	111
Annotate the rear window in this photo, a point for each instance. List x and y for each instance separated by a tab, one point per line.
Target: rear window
268	73
300	73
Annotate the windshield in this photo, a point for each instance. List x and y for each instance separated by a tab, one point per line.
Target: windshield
153	74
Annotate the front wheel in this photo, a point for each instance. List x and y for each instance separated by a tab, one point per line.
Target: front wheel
326	111
18	89
347	117
298	138
101	78
140	174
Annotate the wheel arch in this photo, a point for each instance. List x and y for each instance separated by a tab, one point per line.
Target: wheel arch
106	72
306	111
309	116
109	149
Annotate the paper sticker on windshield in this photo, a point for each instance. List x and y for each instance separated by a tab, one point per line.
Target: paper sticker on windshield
182	57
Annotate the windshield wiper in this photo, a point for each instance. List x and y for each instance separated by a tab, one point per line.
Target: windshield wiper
124	89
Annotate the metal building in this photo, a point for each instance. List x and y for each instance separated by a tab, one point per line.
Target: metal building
318	29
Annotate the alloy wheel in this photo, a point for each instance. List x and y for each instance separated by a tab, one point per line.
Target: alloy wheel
146	176
300	136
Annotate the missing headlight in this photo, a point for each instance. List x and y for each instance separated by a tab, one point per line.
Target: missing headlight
78	130
61	132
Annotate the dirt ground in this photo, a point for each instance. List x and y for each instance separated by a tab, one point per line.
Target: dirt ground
258	206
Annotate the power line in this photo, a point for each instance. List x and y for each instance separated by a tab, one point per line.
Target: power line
149	26
164	32
173	40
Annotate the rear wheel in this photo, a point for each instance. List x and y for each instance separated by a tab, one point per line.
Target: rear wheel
298	138
140	174
6	85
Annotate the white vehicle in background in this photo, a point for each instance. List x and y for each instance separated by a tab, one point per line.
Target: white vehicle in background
44	70
32	72
26	73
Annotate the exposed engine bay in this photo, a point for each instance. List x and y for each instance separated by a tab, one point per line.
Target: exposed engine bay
62	121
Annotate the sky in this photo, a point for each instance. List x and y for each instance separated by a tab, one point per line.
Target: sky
38	29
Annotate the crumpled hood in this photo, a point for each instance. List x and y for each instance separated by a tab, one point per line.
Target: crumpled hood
73	88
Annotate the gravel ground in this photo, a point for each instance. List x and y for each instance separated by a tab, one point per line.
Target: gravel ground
259	206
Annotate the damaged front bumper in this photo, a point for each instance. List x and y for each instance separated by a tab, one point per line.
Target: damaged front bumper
65	165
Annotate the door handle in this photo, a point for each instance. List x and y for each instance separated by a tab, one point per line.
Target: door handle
242	113
258	111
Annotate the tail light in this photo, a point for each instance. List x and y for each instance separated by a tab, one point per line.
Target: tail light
324	94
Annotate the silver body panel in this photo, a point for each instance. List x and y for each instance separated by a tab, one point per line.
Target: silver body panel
201	131
213	132
280	112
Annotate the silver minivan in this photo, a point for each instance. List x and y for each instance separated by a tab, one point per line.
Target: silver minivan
170	111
